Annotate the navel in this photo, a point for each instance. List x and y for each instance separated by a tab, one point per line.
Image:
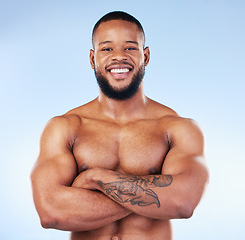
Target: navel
115	238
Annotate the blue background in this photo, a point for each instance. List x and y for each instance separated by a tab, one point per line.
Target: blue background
197	67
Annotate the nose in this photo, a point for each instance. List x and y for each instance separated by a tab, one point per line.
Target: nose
119	55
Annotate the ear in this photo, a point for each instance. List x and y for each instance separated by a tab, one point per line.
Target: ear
146	55
91	57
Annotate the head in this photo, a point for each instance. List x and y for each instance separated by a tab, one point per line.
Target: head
119	56
118	15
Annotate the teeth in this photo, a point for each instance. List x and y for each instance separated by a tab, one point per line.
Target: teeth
119	70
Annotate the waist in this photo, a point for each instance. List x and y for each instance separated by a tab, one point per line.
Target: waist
132	227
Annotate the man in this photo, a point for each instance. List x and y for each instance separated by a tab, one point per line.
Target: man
123	165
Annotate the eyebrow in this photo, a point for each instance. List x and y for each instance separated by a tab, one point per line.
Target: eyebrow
132	42
104	42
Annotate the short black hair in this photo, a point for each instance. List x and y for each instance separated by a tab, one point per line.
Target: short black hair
118	15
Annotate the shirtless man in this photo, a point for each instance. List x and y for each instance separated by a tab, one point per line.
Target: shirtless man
121	166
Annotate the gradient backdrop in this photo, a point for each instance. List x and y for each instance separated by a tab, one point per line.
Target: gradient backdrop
197	67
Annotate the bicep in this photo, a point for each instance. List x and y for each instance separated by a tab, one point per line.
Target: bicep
56	164
185	160
57	171
186	151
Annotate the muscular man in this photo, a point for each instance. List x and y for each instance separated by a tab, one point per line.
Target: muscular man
122	165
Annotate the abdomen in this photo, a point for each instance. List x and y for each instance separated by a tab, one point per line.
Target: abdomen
133	227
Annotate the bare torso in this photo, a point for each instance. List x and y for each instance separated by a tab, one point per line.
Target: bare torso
137	147
132	227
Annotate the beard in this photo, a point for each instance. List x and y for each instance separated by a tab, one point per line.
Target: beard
116	93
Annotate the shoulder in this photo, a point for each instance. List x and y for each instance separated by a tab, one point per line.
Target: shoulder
184	132
158	110
67	125
170	119
61	129
64	122
88	110
181	125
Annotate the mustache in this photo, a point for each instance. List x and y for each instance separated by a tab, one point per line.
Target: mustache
119	62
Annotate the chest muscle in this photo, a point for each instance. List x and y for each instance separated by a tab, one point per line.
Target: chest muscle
137	148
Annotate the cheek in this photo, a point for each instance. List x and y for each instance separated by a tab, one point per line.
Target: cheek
101	58
138	58
100	63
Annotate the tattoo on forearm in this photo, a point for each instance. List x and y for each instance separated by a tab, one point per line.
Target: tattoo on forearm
136	189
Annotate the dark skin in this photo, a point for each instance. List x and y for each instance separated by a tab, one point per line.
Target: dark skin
119	169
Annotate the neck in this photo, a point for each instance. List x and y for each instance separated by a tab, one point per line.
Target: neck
123	111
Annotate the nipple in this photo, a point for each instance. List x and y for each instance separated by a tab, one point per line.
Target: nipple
153	171
115	238
83	168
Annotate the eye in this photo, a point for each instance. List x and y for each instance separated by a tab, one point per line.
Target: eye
106	49
131	48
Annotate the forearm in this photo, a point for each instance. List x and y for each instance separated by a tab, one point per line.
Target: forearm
140	194
81	209
75	209
153	196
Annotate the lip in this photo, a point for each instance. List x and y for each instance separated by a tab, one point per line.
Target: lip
119	66
117	74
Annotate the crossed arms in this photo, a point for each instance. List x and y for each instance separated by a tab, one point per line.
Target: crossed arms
74	205
58	203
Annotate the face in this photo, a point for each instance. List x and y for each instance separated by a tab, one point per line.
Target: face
119	58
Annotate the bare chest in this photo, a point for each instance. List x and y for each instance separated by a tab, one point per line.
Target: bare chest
136	148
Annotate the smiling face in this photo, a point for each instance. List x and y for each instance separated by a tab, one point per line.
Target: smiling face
119	58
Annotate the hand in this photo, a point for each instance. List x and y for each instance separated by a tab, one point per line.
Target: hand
88	179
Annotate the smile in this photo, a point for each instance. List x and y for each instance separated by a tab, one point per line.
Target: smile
119	70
